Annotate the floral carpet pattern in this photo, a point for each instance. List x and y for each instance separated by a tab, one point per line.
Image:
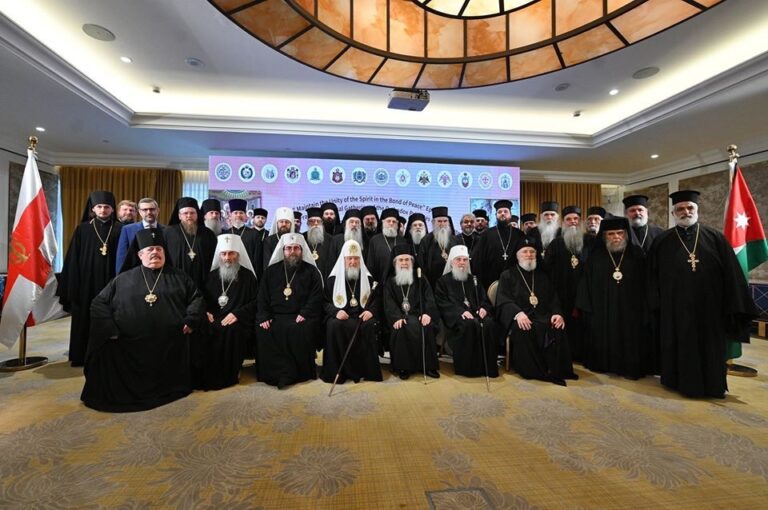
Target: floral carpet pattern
602	442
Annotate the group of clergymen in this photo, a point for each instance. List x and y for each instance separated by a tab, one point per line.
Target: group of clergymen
160	310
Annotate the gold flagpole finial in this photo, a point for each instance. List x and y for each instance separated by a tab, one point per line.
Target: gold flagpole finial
32	143
732	154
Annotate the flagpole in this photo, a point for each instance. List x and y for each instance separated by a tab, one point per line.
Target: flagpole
736	369
24	362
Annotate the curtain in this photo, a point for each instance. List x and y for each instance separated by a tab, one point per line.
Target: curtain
532	194
163	185
195	184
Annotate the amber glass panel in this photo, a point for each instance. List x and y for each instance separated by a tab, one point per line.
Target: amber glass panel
590	44
531	63
485	73
486	36
572	14
370	23
530	25
356	65
397	73
336	15
315	48
652	17
445	37
272	21
444	76
406	28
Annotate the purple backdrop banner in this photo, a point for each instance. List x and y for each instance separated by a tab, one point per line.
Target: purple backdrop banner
410	187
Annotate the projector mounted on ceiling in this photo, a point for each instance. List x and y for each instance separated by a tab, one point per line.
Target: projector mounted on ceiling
412	100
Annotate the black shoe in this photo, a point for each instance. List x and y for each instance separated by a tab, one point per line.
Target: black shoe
283	383
403	374
559	382
433	374
574	376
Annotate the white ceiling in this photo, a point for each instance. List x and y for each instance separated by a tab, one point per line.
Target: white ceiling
248	99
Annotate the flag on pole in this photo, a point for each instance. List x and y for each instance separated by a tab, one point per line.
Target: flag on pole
30	289
744	231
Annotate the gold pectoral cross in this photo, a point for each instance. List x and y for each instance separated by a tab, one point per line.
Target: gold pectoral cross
692	260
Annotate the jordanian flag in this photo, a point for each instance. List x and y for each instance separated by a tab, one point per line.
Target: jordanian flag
744	231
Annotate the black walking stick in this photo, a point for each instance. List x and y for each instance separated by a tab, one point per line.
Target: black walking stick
344	359
421	325
482	336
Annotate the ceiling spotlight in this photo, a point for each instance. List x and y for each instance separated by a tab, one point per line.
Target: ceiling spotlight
126	60
155	89
194	62
613	92
40	129
654	156
577	113
562	87
98	32
645	72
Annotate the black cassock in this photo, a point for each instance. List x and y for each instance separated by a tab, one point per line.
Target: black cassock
644	236
225	347
468	241
203	244
542	352
363	359
405	344
378	260
565	274
431	256
285	353
148	364
616	314
488	260
86	272
466	336
267	248
698	311
325	259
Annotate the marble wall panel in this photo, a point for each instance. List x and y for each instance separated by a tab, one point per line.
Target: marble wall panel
530	25
445	37
658	203
486	36
572	14
272	21
370	23
315	48
406	28
531	63
652	17
336	15
397	73
593	43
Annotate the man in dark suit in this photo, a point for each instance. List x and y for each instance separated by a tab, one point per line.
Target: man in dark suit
149	210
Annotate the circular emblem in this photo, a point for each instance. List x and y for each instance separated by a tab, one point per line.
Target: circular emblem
381	176
445	179
424	178
359	176
269	173
485	180
292	174
403	177
315	174
246	172
505	181
337	175
223	172
465	179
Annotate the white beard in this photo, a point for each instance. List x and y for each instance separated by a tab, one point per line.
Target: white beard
354	235
639	221
616	249
214	225
403	276
237	224
352	273
417	236
593	229
548	232
527	265
316	235
443	235
228	272
687	222
574	239
460	275
389	231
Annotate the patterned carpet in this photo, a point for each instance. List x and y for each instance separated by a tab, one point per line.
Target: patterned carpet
603	442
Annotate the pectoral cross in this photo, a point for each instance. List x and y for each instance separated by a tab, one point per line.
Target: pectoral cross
692	260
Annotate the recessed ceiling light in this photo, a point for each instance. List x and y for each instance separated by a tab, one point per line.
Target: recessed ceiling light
613	92
645	72
155	89
562	87
105	141
194	62
98	32
126	60
654	156
40	129
577	113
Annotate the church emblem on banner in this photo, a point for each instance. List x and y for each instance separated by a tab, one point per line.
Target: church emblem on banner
465	179
337	175
247	172
269	173
381	176
505	181
292	174
424	178
223	172
315	174
444	179
403	177
359	176
485	180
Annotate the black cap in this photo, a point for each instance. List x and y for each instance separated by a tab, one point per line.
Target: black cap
401	220
297	215
480	213
635	200
525	242
571	209
314	212
687	195
98	197
146	237
330	205
389	213
596	210
212	204
238	204
183	203
529	216
368	210
502	204
514	218
401	249
549	205
439	212
615	223
260	212
416	217
352	213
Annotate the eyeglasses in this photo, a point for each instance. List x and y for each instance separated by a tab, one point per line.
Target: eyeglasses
148	209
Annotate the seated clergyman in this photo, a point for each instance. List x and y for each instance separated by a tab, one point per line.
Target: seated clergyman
138	357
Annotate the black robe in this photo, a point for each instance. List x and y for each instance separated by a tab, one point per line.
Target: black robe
406	343
325	259
643	240
363	359
698	311
267	248
225	347
431	256
378	260
468	241
203	244
541	352
251	240
86	272
468	338
285	353
147	365
616	314
488	260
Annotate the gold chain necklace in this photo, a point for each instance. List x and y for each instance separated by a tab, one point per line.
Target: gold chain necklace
532	299
151	297
353	300
617	274
191	253
287	291
103	249
692	260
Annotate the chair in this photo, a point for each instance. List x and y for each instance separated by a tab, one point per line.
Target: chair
492	289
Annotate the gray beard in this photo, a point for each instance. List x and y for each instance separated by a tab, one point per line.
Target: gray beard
189	229
214	225
417	236
639	222
527	265
548	232
237	224
460	275
593	229
443	235
228	272
616	249
403	276
316	235
468	231
354	235
687	222
292	261
389	231
352	273
574	239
